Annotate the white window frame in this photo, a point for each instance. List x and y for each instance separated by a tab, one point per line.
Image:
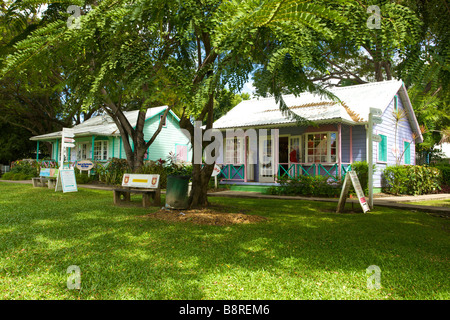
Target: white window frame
80	150
104	144
235	156
328	147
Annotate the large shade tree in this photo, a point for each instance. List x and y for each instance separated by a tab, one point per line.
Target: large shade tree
139	54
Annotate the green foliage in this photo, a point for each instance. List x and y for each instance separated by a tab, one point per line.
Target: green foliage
112	172
155	167
28	168
413	180
444	168
316	186
83	178
362	170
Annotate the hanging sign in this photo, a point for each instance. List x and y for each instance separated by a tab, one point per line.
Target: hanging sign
352	178
85	165
66	181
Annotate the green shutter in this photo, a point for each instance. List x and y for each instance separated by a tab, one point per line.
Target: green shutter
407	154
382	149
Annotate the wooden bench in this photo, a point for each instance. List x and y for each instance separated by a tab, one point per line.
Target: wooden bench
145	184
47	177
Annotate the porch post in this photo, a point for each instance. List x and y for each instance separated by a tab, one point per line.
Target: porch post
92	149
57	151
340	150
276	150
113	142
245	158
37	151
120	147
351	144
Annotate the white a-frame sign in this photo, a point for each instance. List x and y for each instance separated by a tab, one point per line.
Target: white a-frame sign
352	178
65	181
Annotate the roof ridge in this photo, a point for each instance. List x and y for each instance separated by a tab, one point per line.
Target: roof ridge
373	83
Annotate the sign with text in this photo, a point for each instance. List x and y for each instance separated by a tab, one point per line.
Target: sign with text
140	180
352	178
376	138
376	111
66	181
84	165
377	120
216	171
48	172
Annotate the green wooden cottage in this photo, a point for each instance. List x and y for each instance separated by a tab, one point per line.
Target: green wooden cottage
99	139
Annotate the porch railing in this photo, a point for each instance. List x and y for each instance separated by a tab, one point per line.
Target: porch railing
294	170
235	172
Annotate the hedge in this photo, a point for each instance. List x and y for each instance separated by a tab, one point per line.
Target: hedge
412	180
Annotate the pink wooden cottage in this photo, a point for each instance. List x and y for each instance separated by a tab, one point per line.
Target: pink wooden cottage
338	138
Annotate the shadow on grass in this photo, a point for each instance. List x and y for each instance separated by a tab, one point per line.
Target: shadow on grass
304	251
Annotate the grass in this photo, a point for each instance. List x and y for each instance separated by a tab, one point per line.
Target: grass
435	203
304	251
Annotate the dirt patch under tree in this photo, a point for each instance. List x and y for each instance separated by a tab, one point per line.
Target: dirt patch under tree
213	215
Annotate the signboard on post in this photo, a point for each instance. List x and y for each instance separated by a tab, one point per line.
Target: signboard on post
215	173
376	138
352	179
65	179
84	165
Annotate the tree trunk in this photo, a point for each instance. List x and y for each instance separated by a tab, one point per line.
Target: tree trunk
200	181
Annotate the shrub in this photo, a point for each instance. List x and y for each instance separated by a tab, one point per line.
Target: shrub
112	173
29	168
413	180
318	186
155	167
83	178
7	176
362	170
444	168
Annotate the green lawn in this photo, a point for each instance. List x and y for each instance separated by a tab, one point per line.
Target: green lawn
304	251
434	203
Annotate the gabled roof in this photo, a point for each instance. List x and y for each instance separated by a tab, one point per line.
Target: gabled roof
103	125
356	103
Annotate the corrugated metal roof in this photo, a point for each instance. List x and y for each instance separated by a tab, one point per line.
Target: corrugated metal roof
102	125
357	101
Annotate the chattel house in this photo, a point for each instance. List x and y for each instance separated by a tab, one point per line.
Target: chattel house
339	136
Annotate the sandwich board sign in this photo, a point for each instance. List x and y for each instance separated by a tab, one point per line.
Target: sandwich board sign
352	178
65	181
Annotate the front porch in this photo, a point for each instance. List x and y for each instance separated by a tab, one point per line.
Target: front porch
238	173
326	150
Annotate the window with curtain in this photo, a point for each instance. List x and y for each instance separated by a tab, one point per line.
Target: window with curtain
101	150
321	147
234	150
83	151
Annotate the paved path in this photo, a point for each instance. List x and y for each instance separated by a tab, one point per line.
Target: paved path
384	201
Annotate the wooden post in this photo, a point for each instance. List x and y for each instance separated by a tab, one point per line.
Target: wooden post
370	162
245	160
351	144
340	150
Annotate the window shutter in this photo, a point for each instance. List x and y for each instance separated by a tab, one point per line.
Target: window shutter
407	155
382	149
